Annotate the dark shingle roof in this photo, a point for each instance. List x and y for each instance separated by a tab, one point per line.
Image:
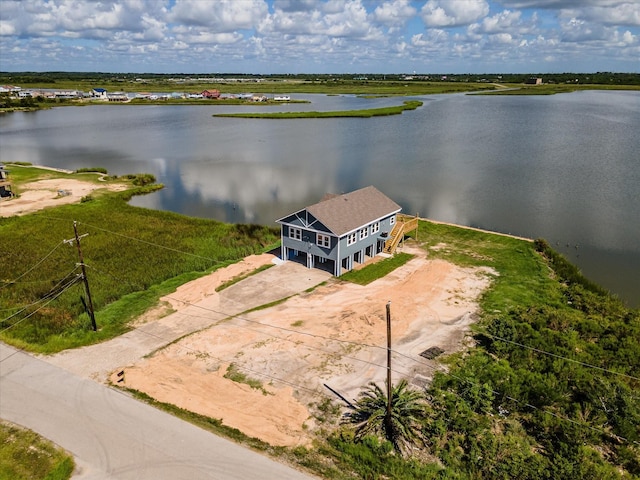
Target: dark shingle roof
347	212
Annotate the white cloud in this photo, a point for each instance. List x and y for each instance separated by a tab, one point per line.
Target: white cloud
558	4
394	13
221	15
576	30
452	13
623	14
7	29
316	35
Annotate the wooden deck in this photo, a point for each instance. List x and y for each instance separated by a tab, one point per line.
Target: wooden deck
404	224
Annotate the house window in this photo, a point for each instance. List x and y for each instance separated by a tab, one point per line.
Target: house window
324	240
295	233
364	233
351	239
392	220
375	228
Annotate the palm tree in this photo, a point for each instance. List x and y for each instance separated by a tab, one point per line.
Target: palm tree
402	426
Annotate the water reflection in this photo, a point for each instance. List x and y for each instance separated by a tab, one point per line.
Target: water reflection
564	167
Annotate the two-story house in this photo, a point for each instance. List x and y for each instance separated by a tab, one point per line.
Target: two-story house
339	230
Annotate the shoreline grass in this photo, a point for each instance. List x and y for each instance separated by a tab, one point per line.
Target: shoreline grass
133	256
553	89
367	113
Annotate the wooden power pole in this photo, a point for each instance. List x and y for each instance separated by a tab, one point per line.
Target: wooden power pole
389	361
84	275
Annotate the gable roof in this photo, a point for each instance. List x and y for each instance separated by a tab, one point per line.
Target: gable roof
344	213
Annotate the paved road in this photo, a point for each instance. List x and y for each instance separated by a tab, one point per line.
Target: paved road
112	435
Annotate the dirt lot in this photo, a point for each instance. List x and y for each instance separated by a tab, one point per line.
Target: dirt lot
333	335
50	193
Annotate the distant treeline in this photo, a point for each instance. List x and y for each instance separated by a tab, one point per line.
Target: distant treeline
598	78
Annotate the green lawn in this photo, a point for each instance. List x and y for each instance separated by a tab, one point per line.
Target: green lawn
379	269
25	455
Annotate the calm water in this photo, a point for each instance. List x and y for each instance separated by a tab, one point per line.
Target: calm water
564	167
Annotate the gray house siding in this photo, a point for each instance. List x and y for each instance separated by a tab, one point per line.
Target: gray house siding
310	240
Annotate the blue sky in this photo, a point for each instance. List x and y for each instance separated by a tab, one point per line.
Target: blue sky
320	36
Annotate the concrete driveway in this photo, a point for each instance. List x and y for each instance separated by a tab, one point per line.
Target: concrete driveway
278	282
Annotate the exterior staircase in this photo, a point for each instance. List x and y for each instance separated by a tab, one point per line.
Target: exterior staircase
404	225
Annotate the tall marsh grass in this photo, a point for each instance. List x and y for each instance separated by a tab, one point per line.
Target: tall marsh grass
131	254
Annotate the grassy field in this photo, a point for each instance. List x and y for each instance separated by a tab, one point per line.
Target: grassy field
367	113
337	86
522	275
24	455
552	89
133	256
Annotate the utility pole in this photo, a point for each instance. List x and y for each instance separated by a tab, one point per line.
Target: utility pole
388	419
84	274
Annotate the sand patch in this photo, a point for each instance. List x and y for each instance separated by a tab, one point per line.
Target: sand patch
334	335
52	192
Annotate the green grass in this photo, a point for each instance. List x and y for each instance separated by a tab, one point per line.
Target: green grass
367	113
522	275
269	86
237	376
239	278
376	270
552	89
26	455
133	256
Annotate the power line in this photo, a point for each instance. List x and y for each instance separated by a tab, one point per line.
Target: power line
349	342
24	307
555	355
358	343
146	242
65	288
33	267
262	332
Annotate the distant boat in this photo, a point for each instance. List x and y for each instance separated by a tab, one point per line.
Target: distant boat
282	98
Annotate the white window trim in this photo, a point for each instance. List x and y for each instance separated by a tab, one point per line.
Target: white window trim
324	240
351	238
392	220
364	233
375	228
295	233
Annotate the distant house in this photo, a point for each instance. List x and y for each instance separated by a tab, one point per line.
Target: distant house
340	230
117	97
5	184
99	93
9	89
533	81
211	94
